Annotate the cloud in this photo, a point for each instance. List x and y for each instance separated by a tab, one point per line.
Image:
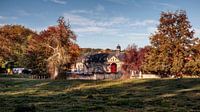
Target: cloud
100	8
97	10
161	5
23	13
3	17
151	30
144	23
114	21
138	34
197	32
140	39
110	27
79	20
2	24
59	1
135	36
167	5
121	2
125	2
39	29
93	29
6	17
118	20
85	21
81	11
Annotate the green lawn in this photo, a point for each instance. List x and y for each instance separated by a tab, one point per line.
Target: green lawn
76	95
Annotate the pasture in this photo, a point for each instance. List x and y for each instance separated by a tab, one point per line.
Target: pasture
135	95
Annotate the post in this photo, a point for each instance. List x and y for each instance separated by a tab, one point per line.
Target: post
140	75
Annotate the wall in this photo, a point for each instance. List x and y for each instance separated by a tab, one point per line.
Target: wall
145	76
95	76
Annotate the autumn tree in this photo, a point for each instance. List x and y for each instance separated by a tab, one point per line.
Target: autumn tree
170	45
54	49
142	52
134	58
193	61
13	41
36	55
130	58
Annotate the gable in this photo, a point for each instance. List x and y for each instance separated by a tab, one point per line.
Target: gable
113	59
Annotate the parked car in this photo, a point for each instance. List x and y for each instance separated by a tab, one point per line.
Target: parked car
22	71
27	71
18	70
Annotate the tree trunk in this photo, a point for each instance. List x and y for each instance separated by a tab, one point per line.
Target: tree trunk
54	73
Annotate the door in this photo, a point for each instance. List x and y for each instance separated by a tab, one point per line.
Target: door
113	68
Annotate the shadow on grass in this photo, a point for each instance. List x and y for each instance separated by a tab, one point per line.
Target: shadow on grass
79	95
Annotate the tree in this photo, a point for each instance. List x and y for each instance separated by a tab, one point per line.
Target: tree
130	58
142	52
193	61
13	41
134	58
171	44
36	55
54	48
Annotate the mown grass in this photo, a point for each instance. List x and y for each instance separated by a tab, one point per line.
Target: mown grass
118	95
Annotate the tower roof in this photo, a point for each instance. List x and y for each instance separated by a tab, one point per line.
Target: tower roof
118	47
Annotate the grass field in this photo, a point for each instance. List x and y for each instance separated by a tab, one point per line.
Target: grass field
78	95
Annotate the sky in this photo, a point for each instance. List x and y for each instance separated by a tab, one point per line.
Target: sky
99	23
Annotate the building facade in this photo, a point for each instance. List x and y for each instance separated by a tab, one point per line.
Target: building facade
100	63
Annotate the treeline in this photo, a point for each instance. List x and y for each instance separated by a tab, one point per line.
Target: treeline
173	48
48	52
87	51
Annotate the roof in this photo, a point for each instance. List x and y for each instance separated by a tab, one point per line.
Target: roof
119	56
100	57
118	47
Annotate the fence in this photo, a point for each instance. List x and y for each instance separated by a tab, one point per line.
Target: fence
94	76
38	77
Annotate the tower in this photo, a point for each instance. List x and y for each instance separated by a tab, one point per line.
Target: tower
118	50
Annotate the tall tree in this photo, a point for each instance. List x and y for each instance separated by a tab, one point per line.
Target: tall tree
171	44
55	48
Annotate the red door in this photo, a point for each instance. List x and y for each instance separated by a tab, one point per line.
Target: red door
113	68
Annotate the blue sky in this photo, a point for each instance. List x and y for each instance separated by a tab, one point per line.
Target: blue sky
99	23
